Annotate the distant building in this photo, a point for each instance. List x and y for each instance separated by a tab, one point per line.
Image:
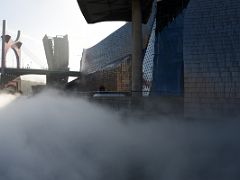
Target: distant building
57	54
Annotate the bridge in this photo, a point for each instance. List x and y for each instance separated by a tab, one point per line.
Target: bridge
21	71
57	58
12	73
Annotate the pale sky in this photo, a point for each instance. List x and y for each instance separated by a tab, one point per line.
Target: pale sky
52	17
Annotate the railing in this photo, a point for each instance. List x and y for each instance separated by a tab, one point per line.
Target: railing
143	106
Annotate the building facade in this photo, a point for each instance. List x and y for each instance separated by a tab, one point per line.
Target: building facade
211	56
108	63
168	59
192	51
57	54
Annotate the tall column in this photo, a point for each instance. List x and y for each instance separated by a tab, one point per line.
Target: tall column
3	49
137	48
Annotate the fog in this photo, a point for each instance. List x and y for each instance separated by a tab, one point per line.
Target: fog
5	99
55	137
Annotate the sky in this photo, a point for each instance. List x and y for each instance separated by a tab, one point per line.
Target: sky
52	17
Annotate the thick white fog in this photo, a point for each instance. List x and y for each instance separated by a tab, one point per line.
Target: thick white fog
55	137
6	99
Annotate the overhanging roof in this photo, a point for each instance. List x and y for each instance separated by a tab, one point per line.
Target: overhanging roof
112	10
168	10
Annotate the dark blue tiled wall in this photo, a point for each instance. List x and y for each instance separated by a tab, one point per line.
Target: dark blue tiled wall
168	60
212	55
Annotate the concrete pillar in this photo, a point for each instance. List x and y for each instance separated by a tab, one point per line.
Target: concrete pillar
137	48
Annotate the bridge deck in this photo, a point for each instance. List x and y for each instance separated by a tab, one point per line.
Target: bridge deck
15	71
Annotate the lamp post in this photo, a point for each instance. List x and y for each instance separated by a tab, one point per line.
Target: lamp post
3	49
